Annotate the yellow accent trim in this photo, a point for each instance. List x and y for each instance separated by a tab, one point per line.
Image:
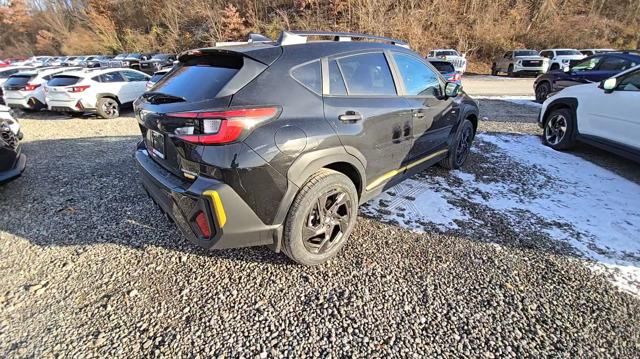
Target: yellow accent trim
387	176
218	208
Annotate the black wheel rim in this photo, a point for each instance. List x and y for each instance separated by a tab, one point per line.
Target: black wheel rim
110	108
464	145
541	92
327	222
555	130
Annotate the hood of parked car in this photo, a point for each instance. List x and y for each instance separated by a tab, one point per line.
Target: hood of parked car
529	57
569	57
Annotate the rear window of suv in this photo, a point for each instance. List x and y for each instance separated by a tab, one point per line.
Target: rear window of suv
18	80
63	81
200	78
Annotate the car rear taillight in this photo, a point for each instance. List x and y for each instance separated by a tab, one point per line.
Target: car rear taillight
203	224
31	87
224	126
79	88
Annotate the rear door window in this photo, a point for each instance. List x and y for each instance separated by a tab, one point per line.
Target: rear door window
336	81
200	78
367	74
132	76
112	77
62	80
310	76
418	78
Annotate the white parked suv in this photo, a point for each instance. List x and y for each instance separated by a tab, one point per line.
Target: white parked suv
5	72
102	91
25	89
559	59
603	114
453	56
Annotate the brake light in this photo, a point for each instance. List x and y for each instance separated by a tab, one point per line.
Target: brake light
31	87
203	224
225	126
79	88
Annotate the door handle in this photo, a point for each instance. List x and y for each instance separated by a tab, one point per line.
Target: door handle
350	116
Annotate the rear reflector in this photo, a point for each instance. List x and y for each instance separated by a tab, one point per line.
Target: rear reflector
203	224
218	208
225	126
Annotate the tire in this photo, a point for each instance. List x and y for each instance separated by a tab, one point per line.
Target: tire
460	147
311	237
559	129
108	107
494	72
542	91
510	71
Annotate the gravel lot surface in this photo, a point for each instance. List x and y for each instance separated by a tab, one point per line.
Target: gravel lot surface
487	85
90	268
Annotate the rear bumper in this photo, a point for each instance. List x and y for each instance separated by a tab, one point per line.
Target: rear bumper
16	170
69	106
29	103
239	226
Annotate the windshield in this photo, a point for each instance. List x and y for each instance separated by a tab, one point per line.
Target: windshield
134	56
525	53
447	53
121	56
567	52
160	57
443	66
157	76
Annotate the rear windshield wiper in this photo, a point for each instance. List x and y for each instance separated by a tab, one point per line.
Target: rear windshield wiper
159	97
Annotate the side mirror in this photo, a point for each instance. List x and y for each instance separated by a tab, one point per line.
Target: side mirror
609	85
452	89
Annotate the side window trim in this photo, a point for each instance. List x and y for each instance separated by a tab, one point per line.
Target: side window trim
337	57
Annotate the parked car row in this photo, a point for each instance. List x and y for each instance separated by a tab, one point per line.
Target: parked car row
146	62
533	62
73	89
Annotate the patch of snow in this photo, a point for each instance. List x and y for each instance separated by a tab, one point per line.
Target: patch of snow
413	202
574	201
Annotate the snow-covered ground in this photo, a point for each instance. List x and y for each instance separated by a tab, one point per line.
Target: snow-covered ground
534	189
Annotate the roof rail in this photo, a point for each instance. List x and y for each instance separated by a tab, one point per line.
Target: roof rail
300	37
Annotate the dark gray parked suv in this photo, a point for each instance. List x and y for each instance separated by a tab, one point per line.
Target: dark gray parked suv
279	143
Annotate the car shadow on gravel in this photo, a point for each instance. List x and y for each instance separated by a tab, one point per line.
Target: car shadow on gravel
85	191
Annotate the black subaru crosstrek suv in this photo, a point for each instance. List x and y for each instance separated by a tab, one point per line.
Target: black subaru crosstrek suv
278	143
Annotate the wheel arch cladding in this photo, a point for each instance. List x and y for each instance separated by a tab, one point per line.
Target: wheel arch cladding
473	117
570	103
108	95
332	158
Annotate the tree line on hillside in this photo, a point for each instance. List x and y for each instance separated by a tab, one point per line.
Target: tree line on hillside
482	28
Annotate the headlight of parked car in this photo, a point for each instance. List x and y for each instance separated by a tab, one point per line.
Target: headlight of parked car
125	63
565	61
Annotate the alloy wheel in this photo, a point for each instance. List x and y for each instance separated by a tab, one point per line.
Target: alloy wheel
542	91
464	145
327	222
110	108
555	130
